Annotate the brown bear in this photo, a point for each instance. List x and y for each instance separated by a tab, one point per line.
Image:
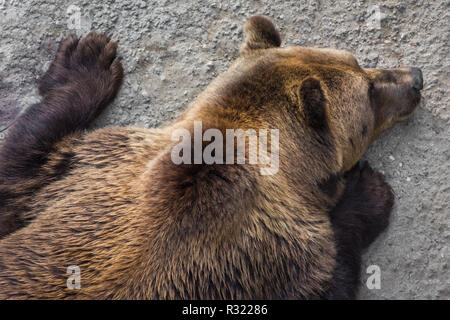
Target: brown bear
136	225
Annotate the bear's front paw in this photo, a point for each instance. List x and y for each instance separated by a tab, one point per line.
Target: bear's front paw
76	60
375	200
59	69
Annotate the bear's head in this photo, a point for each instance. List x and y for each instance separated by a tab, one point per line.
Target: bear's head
327	110
337	101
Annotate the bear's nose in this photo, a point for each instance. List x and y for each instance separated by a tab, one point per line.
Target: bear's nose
417	78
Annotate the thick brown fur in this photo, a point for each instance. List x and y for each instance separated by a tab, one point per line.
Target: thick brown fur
80	82
139	226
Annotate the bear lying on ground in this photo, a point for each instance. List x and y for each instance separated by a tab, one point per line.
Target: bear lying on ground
113	203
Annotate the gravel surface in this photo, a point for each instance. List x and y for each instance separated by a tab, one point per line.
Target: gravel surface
173	49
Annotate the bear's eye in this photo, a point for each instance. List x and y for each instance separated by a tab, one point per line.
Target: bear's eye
371	90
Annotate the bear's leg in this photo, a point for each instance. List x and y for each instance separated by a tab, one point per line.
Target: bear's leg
360	216
81	81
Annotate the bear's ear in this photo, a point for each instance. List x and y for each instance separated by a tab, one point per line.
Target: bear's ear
314	102
260	33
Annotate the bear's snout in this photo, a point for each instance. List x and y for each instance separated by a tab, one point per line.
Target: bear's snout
417	78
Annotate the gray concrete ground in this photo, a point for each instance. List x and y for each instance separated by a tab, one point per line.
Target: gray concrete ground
173	49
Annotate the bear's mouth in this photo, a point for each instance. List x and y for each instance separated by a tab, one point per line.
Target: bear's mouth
414	106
